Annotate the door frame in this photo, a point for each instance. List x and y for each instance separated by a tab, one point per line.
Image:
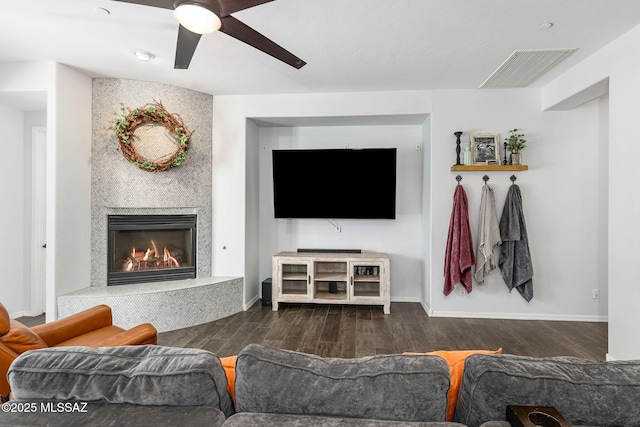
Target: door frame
38	218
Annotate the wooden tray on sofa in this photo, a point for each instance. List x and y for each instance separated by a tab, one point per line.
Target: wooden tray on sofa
533	416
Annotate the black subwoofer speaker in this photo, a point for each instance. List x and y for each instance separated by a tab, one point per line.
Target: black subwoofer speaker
266	292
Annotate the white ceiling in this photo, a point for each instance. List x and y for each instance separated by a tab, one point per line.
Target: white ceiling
349	45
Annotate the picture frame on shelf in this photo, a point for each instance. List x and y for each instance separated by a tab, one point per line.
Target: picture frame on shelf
485	148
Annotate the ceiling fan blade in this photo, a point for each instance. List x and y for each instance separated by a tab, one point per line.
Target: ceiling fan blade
227	7
187	43
164	4
238	30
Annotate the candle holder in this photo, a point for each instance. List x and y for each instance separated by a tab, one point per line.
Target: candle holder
457	134
504	162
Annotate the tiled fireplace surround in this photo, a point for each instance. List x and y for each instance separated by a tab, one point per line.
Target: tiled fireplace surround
118	187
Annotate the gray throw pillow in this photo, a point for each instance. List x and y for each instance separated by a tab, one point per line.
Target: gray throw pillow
143	375
384	387
586	392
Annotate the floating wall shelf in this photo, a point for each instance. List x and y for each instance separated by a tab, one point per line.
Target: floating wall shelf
504	168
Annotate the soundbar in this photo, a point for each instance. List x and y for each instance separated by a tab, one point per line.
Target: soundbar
332	251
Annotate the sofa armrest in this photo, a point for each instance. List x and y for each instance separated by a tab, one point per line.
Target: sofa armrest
77	324
141	334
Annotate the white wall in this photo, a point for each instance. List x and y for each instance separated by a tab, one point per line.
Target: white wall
68	178
615	64
12	214
624	205
426	214
560	200
230	140
69	191
400	238
560	197
15	272
252	261
22	77
31	119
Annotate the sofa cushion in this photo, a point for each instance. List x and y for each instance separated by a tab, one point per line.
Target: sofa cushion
97	414
145	375
586	392
385	387
248	419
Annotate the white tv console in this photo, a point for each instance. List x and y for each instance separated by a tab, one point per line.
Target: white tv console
331	278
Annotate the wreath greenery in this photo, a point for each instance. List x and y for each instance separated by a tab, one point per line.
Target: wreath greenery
125	126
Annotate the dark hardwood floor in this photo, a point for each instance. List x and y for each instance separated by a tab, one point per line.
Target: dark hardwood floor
30	321
355	331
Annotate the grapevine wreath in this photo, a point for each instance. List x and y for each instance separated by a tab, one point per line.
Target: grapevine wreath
125	126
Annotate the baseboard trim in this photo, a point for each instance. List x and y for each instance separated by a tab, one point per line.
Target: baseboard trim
476	315
426	308
25	313
520	316
250	304
405	299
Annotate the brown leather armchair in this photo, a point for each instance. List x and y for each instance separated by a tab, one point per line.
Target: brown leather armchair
91	328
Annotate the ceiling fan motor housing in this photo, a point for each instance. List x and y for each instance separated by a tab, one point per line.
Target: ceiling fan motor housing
197	16
217	16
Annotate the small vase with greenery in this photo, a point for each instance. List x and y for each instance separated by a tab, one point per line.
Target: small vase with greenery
515	143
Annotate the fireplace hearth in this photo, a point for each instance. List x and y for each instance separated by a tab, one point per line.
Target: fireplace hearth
150	248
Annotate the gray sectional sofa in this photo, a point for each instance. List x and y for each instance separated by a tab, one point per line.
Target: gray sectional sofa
157	386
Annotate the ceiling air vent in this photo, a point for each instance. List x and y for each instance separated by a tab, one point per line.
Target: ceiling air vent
524	67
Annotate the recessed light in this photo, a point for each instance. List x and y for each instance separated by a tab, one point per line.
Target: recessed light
143	55
102	11
546	25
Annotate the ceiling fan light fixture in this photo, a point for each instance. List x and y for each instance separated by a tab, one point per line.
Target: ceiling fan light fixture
197	18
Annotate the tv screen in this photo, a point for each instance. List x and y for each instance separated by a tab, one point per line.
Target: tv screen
334	184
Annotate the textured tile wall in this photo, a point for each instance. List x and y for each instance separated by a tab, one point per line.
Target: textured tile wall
119	187
167	306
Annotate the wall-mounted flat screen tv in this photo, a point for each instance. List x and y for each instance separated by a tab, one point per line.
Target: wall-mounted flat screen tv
335	183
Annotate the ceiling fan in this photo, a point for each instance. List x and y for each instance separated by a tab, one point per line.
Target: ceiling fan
199	17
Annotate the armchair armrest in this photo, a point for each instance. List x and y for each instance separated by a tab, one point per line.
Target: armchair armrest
7	356
141	334
77	324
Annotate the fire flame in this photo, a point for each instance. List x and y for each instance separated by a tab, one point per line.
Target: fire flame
169	259
149	259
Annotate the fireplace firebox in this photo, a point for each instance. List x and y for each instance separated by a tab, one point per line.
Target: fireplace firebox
150	248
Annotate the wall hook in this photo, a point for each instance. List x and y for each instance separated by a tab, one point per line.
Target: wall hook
485	178
513	179
458	178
